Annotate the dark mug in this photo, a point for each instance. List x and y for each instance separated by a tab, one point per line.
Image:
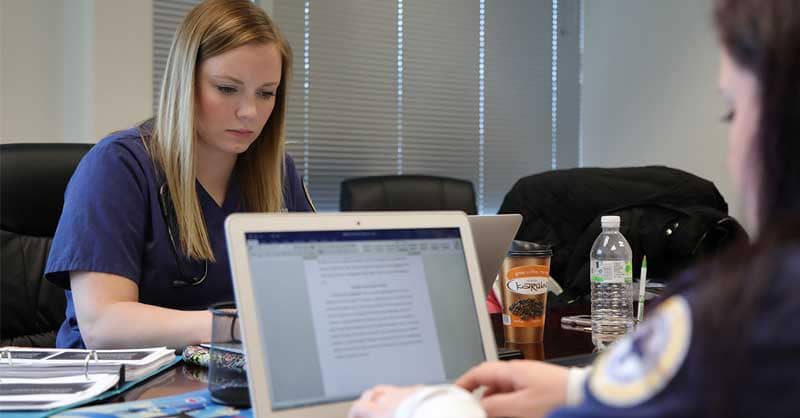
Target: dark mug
227	376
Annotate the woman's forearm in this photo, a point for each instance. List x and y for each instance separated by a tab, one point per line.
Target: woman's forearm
134	324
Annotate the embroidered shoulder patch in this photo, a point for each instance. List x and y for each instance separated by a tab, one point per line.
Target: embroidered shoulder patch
638	367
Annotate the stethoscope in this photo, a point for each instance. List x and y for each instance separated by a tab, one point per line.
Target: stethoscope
168	212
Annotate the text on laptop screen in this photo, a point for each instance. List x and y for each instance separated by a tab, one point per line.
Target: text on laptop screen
342	311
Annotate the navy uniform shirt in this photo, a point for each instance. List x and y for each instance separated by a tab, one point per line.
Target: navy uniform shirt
660	371
112	223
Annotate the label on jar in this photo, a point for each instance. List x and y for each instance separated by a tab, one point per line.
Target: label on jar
611	272
525	292
527	280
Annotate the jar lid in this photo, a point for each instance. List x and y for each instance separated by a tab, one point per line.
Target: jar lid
529	249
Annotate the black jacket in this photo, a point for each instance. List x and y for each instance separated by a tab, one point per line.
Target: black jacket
670	215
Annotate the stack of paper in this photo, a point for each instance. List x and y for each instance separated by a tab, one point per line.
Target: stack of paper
48	362
48	393
38	379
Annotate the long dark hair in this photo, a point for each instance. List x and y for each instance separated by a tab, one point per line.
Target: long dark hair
763	36
733	291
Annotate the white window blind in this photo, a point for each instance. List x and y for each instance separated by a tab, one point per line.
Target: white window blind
349	110
167	15
440	100
292	18
482	90
568	129
518	94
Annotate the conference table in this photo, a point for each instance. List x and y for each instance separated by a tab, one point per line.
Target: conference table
559	345
562	346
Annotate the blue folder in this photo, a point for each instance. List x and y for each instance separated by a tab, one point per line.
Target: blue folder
194	404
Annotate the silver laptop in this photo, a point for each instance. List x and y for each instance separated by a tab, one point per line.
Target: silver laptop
493	235
333	304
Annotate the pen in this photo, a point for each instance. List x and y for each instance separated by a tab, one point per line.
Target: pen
642	280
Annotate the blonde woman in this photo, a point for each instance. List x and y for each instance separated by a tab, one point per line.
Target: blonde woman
140	246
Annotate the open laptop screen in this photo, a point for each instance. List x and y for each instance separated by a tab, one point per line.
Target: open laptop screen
342	311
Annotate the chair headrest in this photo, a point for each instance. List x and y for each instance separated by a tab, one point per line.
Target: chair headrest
407	192
33	178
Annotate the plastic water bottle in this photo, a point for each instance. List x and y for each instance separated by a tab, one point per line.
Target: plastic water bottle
611	274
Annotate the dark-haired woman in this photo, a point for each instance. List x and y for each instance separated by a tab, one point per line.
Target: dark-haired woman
726	343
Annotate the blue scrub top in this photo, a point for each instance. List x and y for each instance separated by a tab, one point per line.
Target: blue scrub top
112	223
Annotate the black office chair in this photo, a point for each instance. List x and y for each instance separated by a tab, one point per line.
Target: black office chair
33	178
407	192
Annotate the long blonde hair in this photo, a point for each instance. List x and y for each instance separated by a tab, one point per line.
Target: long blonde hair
210	29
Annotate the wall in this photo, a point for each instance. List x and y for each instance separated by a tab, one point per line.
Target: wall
649	91
73	71
77	71
268	5
31	81
123	64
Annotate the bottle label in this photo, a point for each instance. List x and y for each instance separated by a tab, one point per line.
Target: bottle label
611	272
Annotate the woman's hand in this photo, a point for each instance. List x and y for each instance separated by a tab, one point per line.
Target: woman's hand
519	388
380	401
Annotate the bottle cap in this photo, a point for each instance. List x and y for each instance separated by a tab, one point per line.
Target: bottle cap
529	249
610	221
